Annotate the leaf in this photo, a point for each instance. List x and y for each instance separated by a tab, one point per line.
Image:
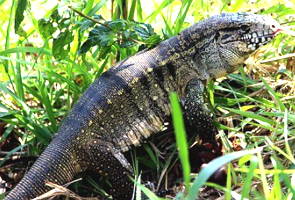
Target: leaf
144	30
153	40
85	47
127	43
117	25
104	52
86	23
61	44
46	28
120	33
19	14
101	36
54	15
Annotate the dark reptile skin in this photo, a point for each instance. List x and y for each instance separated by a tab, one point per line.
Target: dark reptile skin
129	102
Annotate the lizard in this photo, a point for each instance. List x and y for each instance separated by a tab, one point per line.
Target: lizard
130	101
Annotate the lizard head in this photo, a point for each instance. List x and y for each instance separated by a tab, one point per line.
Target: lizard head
235	36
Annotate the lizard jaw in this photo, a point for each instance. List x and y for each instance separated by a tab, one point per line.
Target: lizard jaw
255	40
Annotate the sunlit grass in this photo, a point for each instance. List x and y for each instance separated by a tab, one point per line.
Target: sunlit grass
254	109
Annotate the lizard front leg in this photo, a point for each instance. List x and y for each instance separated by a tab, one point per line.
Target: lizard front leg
198	120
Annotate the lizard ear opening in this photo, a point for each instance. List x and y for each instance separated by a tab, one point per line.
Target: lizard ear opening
217	35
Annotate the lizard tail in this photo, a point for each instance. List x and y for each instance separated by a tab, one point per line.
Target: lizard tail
56	164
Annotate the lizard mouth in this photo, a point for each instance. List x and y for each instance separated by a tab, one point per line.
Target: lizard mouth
257	39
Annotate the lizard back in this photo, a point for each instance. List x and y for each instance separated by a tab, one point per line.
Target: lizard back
127	103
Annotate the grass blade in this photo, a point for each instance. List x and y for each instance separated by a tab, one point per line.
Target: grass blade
139	11
47	104
7	41
167	26
253	116
18	81
11	153
180	138
286	133
263	177
248	180
148	192
31	50
181	15
274	95
228	183
19	13
97	7
159	9
70	83
132	10
276	191
212	166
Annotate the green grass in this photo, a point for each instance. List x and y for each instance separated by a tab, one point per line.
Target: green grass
43	74
180	135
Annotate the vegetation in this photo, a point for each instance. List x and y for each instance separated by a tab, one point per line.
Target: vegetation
52	51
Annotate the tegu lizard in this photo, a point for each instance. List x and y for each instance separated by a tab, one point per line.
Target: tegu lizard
129	102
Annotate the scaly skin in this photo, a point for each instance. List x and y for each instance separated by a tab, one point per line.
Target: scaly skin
130	102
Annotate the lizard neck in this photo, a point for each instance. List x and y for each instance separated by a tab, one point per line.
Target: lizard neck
196	48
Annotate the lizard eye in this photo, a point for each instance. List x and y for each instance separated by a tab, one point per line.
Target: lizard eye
245	28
